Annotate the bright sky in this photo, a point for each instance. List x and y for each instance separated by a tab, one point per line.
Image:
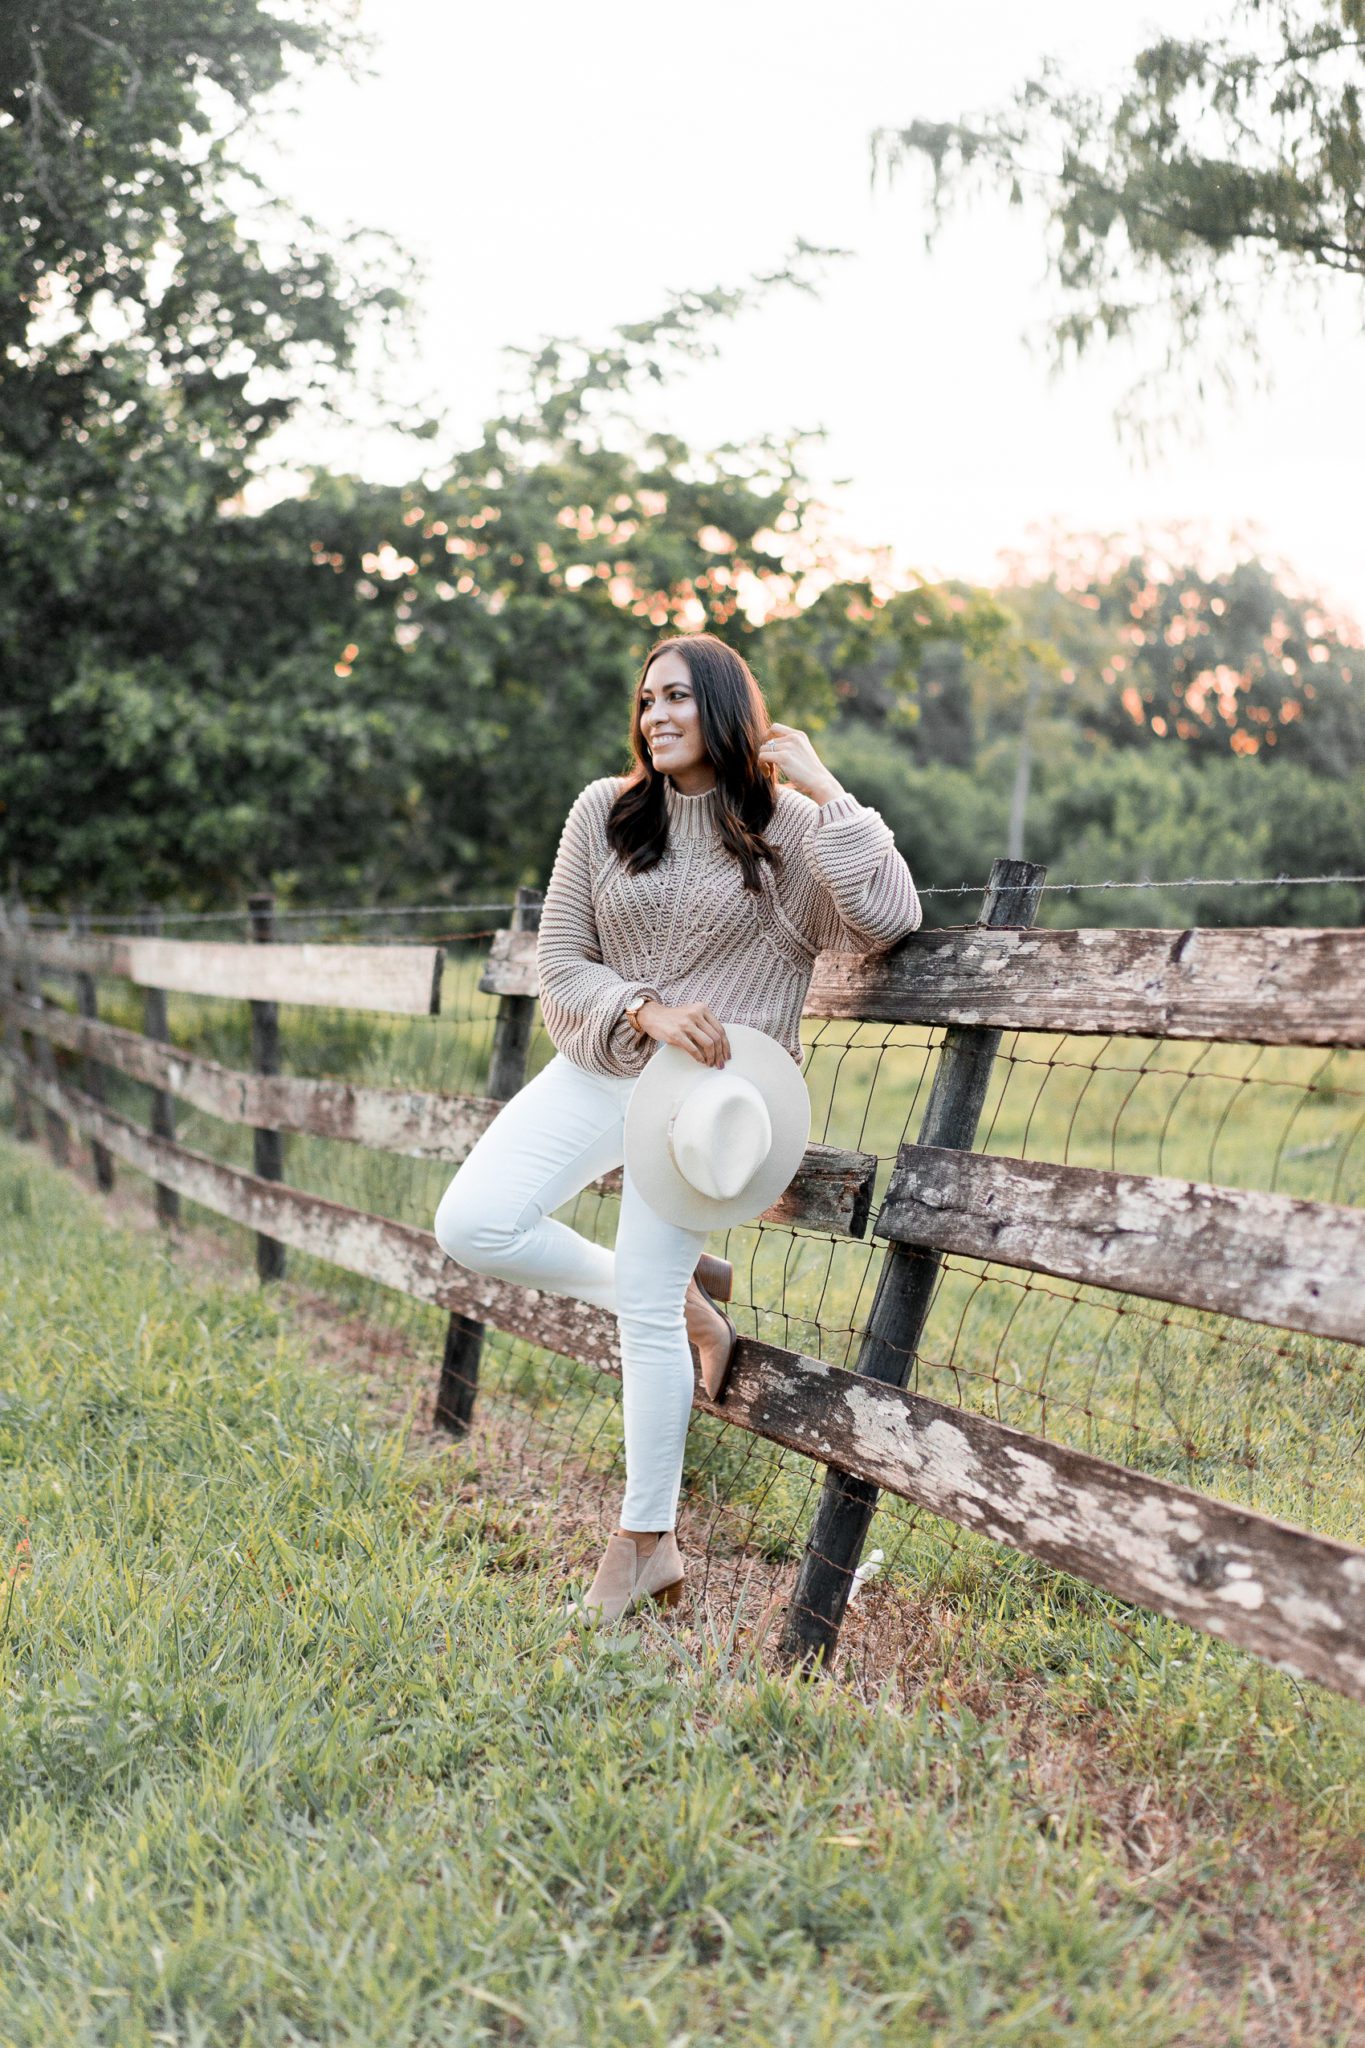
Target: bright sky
560	168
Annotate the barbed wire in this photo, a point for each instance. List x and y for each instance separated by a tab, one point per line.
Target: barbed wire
50	919
107	919
1189	882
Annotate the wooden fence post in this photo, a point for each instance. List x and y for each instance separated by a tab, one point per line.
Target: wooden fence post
459	1380
92	1073
155	1025
905	1288
30	983
11	981
267	1145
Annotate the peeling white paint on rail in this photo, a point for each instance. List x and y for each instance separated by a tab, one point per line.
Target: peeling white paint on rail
1269	1258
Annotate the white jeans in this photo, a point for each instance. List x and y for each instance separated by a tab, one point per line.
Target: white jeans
559	1132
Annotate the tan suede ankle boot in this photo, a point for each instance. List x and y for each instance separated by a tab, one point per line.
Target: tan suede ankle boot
712	1337
624	1578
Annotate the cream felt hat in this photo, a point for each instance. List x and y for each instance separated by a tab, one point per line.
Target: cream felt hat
711	1146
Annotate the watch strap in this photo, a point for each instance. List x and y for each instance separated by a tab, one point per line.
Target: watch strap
634	1008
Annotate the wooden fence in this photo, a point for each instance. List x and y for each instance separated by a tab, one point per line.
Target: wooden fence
1291	1597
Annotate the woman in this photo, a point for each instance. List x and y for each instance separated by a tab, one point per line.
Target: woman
694	892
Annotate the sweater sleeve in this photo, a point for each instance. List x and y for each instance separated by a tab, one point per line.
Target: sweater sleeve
583	1002
867	898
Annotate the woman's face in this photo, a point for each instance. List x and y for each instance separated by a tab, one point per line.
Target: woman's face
670	719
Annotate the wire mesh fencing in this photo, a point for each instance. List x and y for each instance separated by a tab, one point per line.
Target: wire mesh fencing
1270	1419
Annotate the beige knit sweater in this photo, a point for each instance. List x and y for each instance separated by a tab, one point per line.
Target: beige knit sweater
687	931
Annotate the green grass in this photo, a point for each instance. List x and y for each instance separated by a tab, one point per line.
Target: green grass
295	1746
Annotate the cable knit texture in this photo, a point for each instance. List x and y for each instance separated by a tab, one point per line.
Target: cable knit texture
687	930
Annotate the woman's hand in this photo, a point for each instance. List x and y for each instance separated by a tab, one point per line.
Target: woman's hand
799	762
688	1025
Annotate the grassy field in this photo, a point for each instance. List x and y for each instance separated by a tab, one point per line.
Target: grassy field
297	1748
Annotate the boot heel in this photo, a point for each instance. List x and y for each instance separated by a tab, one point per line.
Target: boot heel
715	1276
669	1596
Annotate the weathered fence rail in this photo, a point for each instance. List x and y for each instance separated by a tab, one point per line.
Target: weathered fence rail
831	1189
1292	1597
405	980
1262	986
1269	1258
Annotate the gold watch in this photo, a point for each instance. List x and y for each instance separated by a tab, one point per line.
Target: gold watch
633	1012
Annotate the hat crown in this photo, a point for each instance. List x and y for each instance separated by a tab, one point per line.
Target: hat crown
720	1134
726	1157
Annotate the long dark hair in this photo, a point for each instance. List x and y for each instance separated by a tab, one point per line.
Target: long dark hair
733	719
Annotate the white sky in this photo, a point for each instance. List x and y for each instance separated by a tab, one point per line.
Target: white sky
558	168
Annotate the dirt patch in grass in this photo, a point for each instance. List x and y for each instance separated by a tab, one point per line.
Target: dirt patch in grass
1280	1918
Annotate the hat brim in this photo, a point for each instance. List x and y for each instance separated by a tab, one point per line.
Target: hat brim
670	1075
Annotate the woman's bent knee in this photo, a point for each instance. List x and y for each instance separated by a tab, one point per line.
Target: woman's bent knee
467	1233
451	1225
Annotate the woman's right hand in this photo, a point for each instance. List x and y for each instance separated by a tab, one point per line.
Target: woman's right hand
690	1026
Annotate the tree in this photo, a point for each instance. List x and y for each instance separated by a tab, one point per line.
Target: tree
376	691
159	317
152	293
1152	652
893	659
1163	817
1225	169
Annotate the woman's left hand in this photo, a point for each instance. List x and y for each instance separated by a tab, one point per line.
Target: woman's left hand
799	762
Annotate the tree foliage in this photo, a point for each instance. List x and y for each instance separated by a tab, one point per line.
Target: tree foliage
1224	170
1153	653
375	693
160	315
153	295
1190	722
371	690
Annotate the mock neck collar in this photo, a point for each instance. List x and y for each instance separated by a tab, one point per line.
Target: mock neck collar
690	817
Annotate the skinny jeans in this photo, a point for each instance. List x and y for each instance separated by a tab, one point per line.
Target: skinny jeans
552	1138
